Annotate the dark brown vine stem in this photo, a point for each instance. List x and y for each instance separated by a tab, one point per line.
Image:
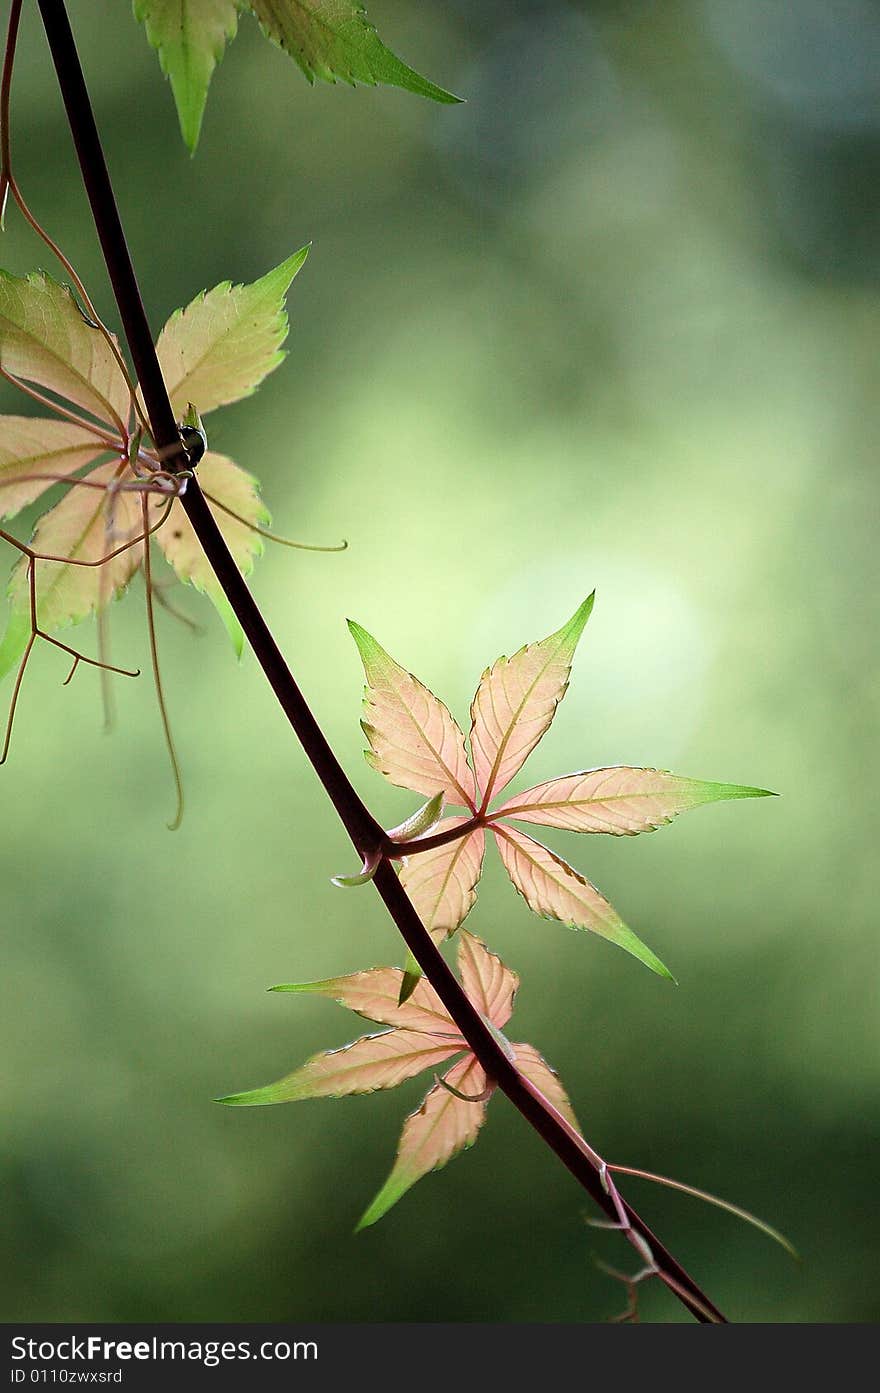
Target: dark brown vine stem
365	833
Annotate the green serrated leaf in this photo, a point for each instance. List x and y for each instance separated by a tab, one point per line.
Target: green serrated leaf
333	39
46	339
190	37
221	346
230	622
15	640
411	977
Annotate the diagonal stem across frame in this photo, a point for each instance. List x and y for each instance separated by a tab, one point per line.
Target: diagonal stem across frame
366	835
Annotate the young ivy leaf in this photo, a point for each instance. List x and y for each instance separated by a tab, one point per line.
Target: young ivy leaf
86	525
217	350
555	890
332	39
31	446
415	742
190	37
227	340
45	340
618	800
422	1036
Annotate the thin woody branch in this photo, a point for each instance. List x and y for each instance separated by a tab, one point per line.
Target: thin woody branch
365	833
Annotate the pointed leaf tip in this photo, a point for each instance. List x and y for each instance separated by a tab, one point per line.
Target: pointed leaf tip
281	277
583	611
745	791
242	1099
516	701
555	890
414	740
408	985
333	39
190	37
432	1135
221	346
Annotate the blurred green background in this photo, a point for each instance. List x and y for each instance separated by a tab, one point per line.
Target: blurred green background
611	323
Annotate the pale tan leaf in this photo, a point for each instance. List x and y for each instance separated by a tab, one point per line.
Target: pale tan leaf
45	339
431	1136
490	985
556	890
536	1068
373	1061
221	346
85	526
30	445
414	740
516	701
375	994
620	800
442	883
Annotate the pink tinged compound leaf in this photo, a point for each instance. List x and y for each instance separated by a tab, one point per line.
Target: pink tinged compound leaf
231	486
442	883
45	339
619	800
516	701
414	740
538	1072
375	994
32	446
221	346
442	1127
556	890
372	1062
490	986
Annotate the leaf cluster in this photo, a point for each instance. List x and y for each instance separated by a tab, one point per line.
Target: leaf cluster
329	39
215	351
416	743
